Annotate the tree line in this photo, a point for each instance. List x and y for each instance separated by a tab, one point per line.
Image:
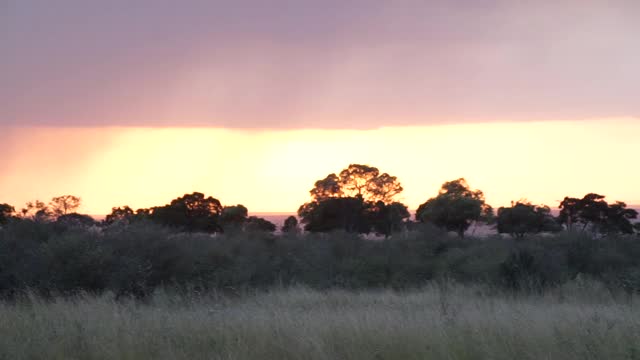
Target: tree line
51	249
358	199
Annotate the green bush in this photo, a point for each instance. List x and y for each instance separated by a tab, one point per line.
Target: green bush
135	259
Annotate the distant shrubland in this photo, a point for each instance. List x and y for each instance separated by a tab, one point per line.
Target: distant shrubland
196	243
136	259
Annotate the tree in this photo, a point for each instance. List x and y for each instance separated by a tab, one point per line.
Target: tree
593	212
258	224
348	214
618	219
348	201
35	210
367	182
388	219
524	218
233	217
569	212
191	212
6	213
455	208
328	187
63	205
120	214
290	225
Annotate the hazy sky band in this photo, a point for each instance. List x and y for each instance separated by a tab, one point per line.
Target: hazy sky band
316	64
274	170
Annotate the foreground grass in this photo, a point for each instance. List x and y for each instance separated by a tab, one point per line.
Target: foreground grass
578	321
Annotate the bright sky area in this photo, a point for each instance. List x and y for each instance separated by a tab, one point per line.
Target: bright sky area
272	171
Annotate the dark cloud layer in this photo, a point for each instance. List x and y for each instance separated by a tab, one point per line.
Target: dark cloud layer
292	64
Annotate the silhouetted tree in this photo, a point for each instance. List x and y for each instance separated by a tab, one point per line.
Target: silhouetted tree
455	208
6	212
233	217
593	212
35	210
524	218
349	214
328	187
367	182
258	224
569	212
618	219
360	187
191	212
388	219
63	205
290	225
120	214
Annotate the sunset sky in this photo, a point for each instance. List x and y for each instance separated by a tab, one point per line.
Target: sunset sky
138	102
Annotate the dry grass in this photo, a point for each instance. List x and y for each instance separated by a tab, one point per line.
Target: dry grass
579	321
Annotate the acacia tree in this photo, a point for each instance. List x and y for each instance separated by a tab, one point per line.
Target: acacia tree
64	205
524	218
593	212
192	212
455	208
367	182
348	200
120	214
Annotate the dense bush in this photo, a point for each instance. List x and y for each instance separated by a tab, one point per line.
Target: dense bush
134	259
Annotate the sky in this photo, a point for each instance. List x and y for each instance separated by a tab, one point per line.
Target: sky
138	102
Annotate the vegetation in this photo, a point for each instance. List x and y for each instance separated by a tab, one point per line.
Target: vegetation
219	283
593	213
6	212
581	320
196	242
359	200
524	218
135	259
455	208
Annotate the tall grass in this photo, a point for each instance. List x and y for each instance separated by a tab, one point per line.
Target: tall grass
579	320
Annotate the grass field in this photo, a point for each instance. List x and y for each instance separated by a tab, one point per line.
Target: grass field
581	320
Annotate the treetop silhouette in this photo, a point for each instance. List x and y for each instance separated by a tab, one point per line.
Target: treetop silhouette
455	207
358	181
359	199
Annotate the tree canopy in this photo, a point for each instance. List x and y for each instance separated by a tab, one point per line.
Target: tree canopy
290	225
6	212
592	212
455	207
358	199
358	181
525	218
258	224
389	218
63	205
191	212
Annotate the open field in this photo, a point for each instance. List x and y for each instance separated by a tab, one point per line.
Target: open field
580	320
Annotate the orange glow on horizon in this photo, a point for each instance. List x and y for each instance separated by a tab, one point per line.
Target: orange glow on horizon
273	170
